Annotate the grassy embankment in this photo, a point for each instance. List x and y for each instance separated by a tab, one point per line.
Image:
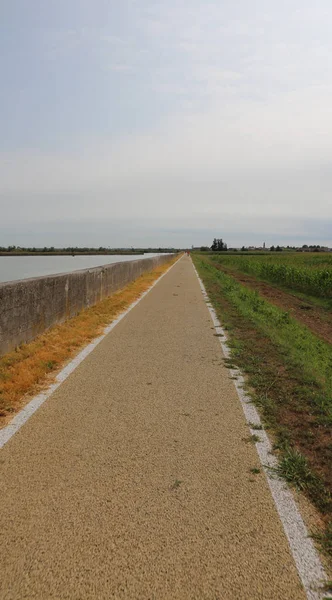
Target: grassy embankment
32	367
307	274
289	374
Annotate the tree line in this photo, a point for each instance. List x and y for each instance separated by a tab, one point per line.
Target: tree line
218	245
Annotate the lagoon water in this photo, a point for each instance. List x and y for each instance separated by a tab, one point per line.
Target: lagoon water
13	268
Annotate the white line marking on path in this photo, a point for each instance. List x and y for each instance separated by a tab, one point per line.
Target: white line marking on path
22	417
305	556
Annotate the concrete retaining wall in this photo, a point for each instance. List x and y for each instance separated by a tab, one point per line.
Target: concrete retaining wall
30	306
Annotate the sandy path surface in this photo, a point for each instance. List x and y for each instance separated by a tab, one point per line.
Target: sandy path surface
133	480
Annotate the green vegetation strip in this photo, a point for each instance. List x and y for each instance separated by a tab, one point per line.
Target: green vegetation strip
304	349
289	371
310	274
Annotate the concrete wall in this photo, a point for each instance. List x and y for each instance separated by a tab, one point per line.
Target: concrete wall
30	306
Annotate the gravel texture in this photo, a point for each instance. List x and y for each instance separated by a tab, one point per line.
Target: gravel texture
133	480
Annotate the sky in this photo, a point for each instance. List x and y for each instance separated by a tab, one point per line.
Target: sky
149	123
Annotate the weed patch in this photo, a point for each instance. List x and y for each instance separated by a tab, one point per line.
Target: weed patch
325	540
252	439
294	467
256	426
176	484
255	471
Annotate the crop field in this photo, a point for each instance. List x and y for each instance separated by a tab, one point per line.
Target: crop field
276	310
310	273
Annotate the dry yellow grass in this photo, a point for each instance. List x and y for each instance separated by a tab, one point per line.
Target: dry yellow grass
31	367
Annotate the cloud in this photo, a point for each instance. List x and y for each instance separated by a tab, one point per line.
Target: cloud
244	140
212	117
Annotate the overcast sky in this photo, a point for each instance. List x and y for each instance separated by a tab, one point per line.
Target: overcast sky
140	122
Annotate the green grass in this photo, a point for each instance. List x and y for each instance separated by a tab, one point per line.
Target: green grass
310	274
289	377
325	540
252	439
256	426
302	347
255	471
294	467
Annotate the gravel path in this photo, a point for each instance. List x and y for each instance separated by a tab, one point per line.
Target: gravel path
133	480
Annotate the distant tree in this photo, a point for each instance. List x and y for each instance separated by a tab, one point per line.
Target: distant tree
204	248
272	249
244	249
219	245
278	249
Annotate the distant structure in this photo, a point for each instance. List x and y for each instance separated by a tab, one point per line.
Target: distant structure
264	246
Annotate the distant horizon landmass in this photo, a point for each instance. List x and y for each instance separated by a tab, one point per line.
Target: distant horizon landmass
72	250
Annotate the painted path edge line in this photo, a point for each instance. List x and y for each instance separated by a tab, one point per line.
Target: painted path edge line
29	409
308	564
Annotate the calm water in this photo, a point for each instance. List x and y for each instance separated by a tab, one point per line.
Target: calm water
22	267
